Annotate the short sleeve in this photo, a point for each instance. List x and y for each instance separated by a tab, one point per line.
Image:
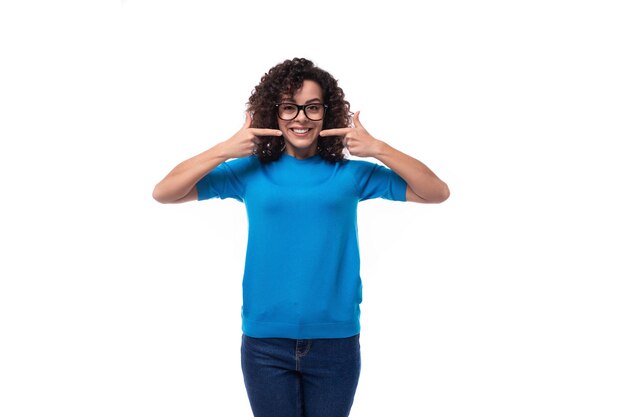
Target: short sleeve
227	180
374	181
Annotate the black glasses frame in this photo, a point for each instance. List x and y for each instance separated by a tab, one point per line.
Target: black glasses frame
303	108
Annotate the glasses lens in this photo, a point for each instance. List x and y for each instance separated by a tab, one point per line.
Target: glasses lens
287	111
314	111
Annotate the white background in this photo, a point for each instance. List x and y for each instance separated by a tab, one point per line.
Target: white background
506	300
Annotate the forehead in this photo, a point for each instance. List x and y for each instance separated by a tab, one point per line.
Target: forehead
309	90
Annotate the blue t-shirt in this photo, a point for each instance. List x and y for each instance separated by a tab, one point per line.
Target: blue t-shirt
302	271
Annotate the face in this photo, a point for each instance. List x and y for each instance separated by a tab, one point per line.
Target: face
301	133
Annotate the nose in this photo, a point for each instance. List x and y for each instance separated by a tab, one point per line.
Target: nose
301	116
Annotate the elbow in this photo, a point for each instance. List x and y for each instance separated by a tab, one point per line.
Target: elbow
441	195
165	196
434	196
158	196
444	193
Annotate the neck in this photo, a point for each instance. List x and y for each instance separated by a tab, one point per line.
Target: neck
301	153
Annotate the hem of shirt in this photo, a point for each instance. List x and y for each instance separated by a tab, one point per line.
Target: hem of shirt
301	331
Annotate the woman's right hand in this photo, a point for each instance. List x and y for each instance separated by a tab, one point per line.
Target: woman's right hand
245	141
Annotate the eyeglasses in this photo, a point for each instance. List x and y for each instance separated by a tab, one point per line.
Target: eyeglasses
289	111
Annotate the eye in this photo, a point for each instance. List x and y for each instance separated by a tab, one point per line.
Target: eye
314	107
288	107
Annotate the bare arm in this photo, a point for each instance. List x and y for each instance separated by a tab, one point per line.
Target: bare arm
179	185
423	186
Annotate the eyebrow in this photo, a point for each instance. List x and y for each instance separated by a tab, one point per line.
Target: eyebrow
291	100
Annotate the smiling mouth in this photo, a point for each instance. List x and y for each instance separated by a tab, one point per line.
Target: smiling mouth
300	131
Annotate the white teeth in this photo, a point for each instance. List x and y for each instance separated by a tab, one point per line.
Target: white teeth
300	130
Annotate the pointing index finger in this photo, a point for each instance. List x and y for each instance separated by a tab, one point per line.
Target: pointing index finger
266	132
336	132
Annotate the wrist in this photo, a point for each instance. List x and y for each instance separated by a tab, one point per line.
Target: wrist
380	149
221	151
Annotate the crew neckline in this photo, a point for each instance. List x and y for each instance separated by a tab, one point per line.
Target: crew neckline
309	159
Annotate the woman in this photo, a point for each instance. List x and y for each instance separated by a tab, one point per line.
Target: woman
301	288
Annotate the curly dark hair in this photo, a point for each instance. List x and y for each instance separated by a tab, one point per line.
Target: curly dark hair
285	79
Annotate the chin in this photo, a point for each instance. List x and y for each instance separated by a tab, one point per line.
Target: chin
301	143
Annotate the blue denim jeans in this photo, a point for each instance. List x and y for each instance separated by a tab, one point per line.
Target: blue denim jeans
301	378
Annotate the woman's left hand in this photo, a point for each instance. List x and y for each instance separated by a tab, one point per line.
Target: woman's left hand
356	139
